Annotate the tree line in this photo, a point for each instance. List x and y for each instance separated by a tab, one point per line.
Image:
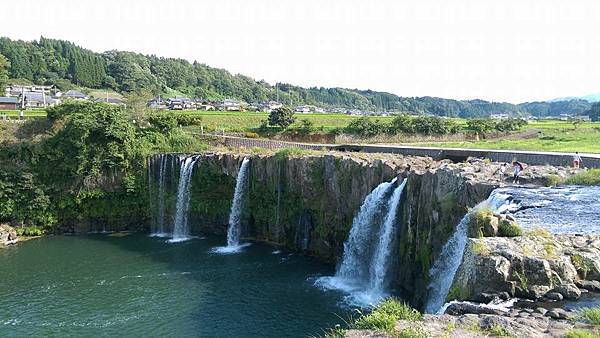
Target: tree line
429	125
62	63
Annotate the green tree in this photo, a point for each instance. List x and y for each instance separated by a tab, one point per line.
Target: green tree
4	65
281	117
594	112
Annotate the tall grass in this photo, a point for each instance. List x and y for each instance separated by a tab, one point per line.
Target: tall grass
588	177
383	318
591	315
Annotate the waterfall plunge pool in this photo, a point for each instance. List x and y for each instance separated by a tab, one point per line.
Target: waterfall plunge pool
138	285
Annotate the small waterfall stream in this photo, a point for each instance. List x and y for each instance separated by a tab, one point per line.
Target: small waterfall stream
235	228
180	222
380	265
158	224
444	269
362	273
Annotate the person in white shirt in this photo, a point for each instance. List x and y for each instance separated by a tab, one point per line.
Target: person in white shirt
577	162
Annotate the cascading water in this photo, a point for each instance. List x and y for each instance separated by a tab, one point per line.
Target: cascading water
158	228
364	266
180	223
234	229
444	269
380	265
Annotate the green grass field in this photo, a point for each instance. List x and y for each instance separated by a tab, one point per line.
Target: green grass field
550	135
553	136
250	121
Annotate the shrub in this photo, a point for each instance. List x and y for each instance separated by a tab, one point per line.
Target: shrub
552	180
376	321
539	232
399	309
305	128
250	135
581	265
458	292
29	231
281	117
365	127
163	122
385	315
498	331
188	120
578	333
588	177
591	315
509	229
290	152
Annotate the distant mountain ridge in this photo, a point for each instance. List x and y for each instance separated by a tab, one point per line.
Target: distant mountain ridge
591	98
62	63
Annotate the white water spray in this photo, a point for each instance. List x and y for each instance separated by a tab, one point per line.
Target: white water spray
444	269
180	224
237	206
380	265
362	273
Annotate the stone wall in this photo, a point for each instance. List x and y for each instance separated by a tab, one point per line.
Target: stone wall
456	155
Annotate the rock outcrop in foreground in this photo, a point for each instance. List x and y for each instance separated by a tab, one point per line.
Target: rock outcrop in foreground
8	235
538	266
491	325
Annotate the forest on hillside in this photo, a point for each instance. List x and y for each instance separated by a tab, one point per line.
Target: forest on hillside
66	65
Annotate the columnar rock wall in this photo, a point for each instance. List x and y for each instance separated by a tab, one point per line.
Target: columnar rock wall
307	203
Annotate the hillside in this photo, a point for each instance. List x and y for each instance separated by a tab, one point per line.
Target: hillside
49	61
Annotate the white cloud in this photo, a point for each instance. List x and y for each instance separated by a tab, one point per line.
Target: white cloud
513	50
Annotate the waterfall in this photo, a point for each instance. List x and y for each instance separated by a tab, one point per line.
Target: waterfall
380	264
235	228
180	223
444	269
364	266
158	228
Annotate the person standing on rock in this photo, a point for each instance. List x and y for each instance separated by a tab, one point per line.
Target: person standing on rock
577	162
517	168
502	172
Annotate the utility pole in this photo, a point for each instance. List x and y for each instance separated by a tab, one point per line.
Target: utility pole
277	90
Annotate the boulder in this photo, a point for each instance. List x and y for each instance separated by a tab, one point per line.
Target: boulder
568	291
461	308
8	234
590	285
530	266
554	296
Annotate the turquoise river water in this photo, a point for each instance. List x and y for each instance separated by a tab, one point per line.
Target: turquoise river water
135	285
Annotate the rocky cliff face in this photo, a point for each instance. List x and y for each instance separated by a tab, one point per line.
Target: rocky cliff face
307	202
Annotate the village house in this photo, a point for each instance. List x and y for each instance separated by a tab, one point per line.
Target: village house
175	104
305	109
37	100
76	95
8	103
271	105
230	105
16	90
110	100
